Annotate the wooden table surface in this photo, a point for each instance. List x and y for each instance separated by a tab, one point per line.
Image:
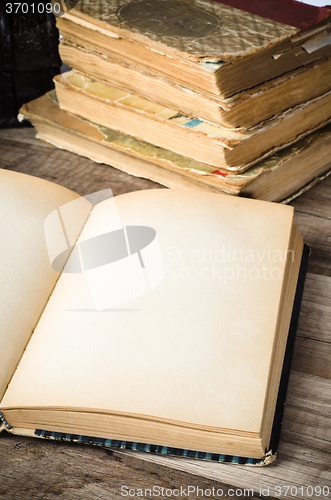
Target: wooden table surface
39	469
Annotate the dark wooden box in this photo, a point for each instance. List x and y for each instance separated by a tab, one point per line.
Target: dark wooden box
29	59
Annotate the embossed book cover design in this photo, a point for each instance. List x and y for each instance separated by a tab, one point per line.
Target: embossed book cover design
205	44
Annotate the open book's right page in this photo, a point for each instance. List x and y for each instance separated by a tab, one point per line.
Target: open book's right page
195	347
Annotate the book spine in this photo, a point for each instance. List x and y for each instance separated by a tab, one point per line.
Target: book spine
159	450
4	421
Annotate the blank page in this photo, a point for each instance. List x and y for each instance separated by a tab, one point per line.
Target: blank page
27	277
197	347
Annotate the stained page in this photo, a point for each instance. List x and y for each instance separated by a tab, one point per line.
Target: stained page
27	278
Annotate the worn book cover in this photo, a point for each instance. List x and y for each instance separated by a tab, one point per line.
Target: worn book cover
204	44
202	30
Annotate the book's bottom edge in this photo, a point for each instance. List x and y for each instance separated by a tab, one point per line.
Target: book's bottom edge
114	444
267	459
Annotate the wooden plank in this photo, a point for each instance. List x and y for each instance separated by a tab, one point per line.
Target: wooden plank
290	472
309	392
52	470
316	201
72	171
311	356
304	452
316	232
312	352
303	423
315	316
21	135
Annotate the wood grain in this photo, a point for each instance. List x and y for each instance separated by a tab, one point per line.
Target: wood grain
49	470
31	468
312	352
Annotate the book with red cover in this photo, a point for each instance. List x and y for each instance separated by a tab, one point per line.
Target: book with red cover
291	12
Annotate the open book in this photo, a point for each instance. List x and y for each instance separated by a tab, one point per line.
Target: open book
166	328
220	48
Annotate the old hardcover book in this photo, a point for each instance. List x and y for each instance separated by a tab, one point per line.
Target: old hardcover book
221	147
132	332
283	175
220	48
246	109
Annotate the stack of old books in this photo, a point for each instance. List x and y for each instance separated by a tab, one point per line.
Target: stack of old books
232	96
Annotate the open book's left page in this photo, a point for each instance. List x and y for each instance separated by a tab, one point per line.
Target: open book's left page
27	277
